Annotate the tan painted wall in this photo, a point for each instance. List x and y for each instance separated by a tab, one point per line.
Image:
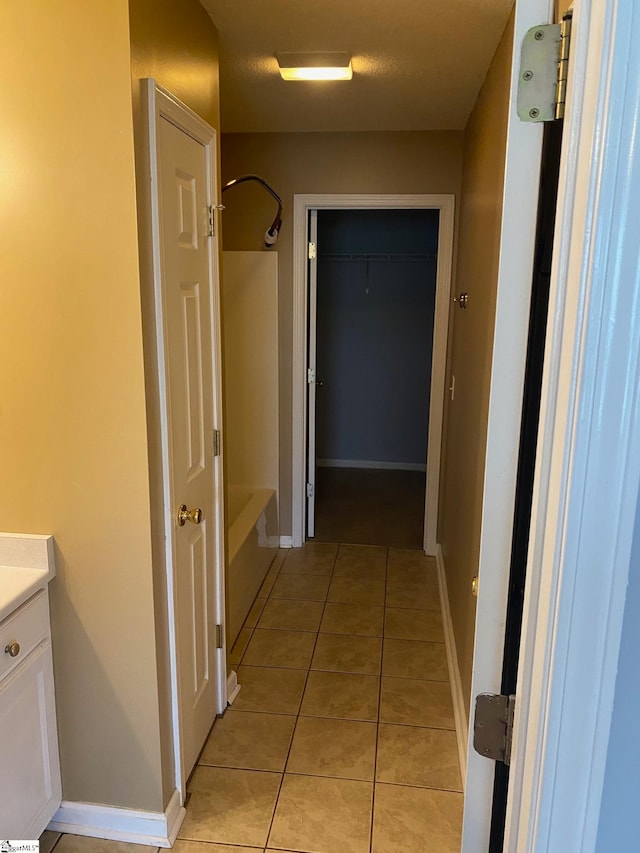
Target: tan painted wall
560	7
471	346
73	446
428	162
176	43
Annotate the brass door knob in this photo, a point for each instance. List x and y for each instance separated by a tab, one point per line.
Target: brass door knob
12	649
192	515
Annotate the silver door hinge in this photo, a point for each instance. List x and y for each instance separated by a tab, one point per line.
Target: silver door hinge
216	442
311	375
544	63
219	637
493	726
309	490
312	251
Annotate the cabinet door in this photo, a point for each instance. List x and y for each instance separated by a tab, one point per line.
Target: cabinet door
29	767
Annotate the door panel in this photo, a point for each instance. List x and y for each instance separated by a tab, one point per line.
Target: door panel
192	360
187	298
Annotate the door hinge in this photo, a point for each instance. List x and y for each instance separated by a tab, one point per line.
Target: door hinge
216	442
544	63
212	221
219	637
312	251
493	726
309	490
311	375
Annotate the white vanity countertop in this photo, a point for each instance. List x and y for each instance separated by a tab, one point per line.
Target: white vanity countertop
26	565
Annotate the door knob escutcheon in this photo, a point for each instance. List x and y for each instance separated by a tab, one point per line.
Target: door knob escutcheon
192	515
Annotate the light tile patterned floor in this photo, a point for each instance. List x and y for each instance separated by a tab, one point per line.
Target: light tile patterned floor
342	737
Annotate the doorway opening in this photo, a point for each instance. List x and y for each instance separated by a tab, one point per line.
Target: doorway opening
338	301
372	301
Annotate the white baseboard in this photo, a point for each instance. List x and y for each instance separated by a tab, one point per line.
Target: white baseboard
369	463
459	704
233	688
156	829
286	541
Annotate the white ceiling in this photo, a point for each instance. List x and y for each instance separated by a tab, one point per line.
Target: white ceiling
418	64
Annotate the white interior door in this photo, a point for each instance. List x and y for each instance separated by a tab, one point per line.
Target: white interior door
190	340
311	372
517	244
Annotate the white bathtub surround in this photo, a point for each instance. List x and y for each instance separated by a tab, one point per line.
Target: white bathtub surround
250	288
252	544
30	766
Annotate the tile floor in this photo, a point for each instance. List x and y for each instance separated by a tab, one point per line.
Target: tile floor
372	506
342	738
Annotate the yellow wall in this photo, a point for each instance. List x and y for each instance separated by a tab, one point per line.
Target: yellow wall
428	162
175	43
471	347
72	422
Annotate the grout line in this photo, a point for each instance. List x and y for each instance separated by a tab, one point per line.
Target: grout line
375	760
458	791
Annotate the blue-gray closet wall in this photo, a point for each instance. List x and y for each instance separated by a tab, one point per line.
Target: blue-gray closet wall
376	297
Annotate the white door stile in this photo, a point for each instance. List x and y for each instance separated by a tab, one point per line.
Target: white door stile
312	366
588	469
304	205
161	104
517	243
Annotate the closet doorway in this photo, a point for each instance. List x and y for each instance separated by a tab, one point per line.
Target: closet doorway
376	298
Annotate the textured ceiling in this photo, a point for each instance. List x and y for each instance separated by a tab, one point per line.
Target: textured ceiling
418	64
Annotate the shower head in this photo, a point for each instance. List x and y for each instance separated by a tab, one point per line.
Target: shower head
272	232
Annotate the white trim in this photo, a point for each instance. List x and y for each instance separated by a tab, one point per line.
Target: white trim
286	542
459	704
233	688
370	463
160	102
157	829
302	204
517	243
588	468
312	354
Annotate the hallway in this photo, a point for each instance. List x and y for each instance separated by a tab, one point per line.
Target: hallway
342	738
370	506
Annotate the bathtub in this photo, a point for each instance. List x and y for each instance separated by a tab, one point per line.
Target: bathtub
252	545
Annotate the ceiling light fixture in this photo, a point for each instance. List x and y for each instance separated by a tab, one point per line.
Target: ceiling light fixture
315	66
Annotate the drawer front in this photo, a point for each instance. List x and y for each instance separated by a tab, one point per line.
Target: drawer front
21	632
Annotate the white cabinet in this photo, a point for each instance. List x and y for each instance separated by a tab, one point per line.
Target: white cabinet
30	789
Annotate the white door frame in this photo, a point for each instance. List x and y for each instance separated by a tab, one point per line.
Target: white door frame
312	357
588	464
160	103
517	245
302	205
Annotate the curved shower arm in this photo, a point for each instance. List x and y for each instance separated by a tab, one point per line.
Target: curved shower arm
274	229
